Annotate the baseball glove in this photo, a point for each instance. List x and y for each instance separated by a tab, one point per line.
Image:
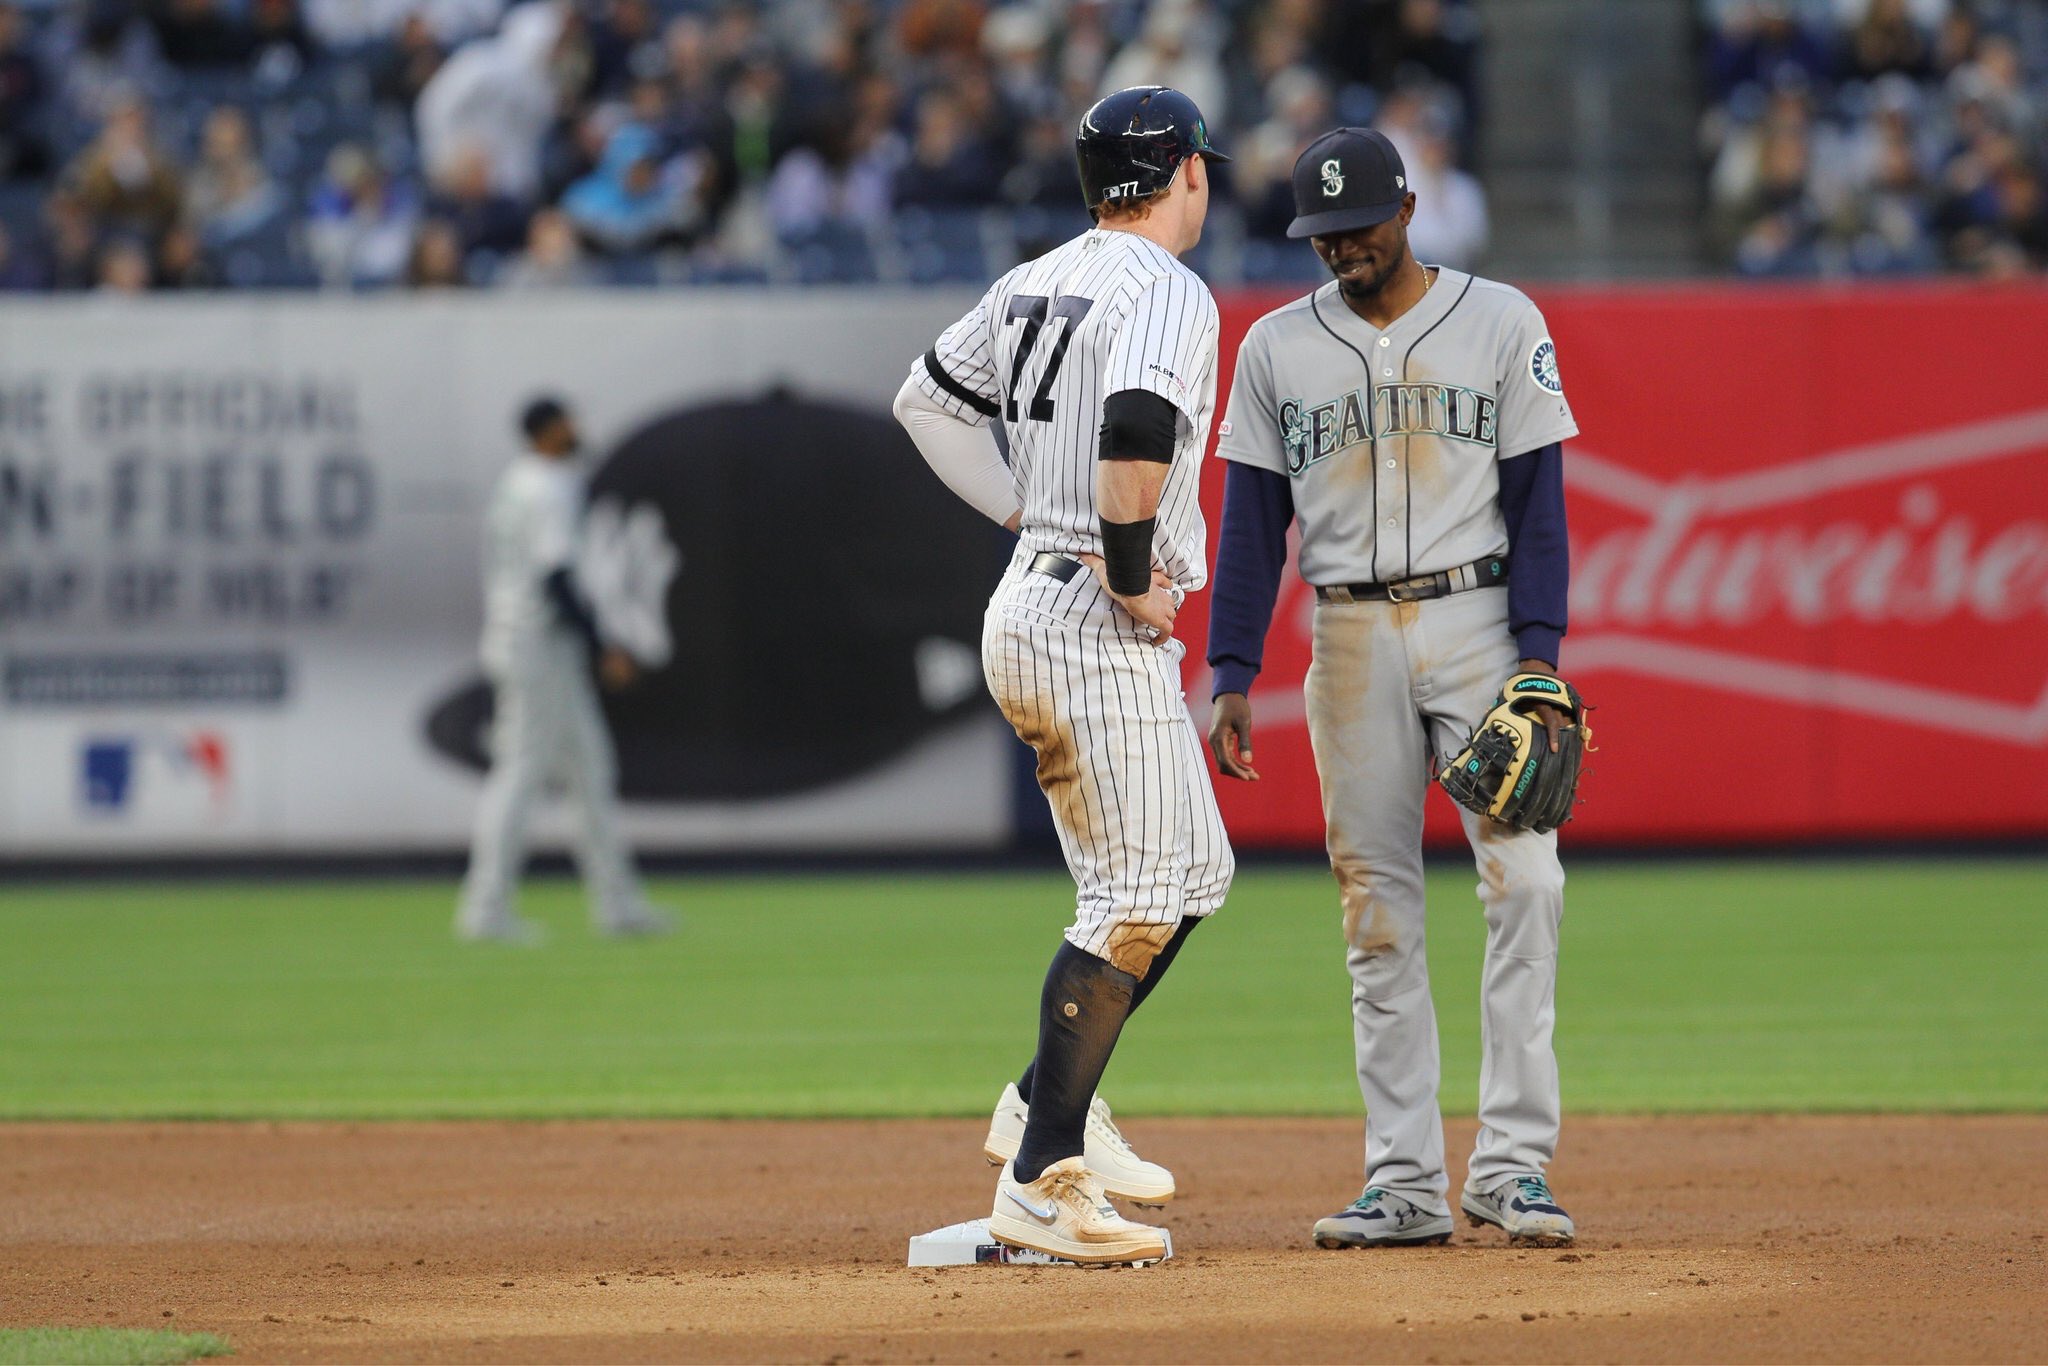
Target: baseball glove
1506	769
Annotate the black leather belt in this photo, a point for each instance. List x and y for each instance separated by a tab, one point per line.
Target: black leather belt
1054	566
1478	574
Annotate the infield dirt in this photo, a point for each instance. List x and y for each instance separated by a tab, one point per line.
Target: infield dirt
1703	1239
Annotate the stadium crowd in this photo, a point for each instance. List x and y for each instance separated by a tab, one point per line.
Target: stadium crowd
364	144
1875	137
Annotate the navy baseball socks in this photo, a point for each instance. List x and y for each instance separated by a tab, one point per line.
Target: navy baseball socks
1081	1012
1151	979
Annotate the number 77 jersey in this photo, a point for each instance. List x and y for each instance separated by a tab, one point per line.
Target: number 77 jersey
1048	343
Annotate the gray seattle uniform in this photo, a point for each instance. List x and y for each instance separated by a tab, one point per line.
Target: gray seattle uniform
548	723
1391	441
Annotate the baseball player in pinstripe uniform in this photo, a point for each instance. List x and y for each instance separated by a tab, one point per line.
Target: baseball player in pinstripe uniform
1100	359
1408	417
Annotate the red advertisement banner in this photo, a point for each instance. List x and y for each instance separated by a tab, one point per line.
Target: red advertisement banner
1809	569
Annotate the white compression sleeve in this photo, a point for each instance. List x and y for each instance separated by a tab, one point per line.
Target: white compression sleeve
962	455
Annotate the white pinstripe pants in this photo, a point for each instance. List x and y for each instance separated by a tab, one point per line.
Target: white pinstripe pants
1118	760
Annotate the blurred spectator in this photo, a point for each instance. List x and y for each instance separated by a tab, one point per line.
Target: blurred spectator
229	194
20	271
849	178
1042	173
497	93
1177	46
123	267
435	261
24	154
103	58
280	45
197	33
768	127
125	181
1394	44
1018	41
631	202
624	45
73	258
361	226
352	24
1302	111
949	165
407	64
1757	43
1450	225
931	29
483	219
553	258
1887	41
1906	138
182	261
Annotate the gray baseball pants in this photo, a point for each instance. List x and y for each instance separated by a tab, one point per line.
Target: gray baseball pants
548	726
1394	690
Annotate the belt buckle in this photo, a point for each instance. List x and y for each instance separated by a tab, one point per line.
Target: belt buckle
1406	590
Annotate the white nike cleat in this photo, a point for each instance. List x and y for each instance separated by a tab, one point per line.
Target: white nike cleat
1065	1214
1122	1172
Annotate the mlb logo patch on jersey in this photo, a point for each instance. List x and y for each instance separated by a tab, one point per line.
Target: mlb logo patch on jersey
1543	367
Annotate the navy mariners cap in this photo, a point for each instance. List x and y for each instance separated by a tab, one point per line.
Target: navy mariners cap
540	414
1347	179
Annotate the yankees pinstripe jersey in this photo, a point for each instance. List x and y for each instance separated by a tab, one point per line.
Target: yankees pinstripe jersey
1391	440
1048	343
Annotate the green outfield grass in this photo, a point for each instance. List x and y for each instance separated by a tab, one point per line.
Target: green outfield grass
1686	986
104	1346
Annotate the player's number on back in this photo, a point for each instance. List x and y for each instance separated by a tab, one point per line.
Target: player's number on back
1033	310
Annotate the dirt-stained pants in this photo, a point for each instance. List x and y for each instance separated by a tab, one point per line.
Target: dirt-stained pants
1396	688
1118	760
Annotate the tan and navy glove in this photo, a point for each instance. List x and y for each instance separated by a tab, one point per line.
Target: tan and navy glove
1506	770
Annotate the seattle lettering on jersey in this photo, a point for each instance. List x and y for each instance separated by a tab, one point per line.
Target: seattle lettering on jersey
1309	434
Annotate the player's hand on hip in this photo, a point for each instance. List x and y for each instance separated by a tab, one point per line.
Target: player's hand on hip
1554	721
1156	608
1230	736
616	669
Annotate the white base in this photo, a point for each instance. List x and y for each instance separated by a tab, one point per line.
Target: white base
969	1244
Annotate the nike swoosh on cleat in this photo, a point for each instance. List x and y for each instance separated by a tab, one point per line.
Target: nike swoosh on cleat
1045	1215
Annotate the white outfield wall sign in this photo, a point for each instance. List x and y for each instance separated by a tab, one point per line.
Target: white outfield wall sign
239	561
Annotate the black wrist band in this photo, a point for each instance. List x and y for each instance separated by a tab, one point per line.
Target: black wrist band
1127	556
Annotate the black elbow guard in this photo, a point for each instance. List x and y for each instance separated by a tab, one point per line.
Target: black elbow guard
1138	425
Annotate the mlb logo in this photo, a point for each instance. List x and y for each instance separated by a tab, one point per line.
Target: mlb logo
154	774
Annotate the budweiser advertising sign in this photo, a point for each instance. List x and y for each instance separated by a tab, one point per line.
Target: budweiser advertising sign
1809	570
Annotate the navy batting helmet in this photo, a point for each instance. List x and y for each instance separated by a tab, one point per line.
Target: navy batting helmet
1132	142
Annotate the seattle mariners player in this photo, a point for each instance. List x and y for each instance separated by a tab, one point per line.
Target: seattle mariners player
539	639
1100	358
1409	418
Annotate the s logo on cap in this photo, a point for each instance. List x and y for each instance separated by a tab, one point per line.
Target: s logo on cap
1333	177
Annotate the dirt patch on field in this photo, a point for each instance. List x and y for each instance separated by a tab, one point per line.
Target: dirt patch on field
1825	1239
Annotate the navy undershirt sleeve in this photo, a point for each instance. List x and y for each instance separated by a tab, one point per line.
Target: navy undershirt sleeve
570	608
1251	554
1539	557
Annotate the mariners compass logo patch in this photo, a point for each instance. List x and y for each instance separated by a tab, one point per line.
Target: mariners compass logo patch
1543	367
1333	177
